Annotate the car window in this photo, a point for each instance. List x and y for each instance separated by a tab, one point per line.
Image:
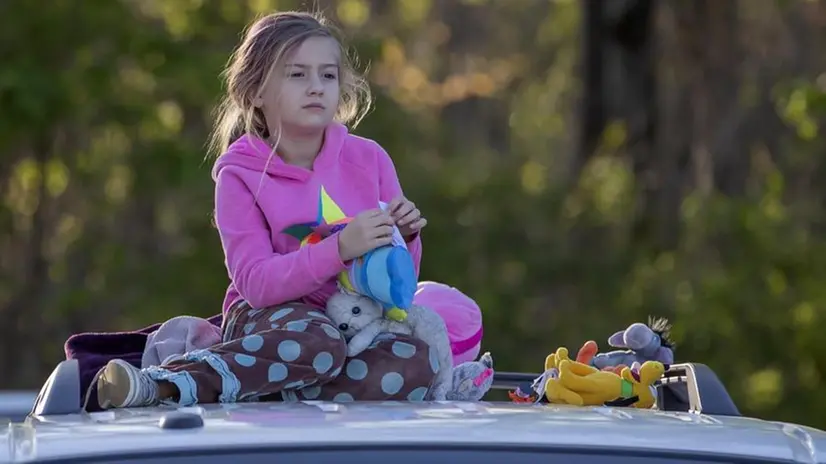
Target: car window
436	455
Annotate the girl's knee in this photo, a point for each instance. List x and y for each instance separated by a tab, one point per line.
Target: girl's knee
292	315
324	344
293	334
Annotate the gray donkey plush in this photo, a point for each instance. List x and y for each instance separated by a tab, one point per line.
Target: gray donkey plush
361	321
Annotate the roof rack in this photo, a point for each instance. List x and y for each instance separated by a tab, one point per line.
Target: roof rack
688	387
511	380
695	388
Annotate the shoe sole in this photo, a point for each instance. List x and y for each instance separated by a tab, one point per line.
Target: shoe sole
113	385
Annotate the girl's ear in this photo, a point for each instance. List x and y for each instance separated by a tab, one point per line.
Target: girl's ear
258	101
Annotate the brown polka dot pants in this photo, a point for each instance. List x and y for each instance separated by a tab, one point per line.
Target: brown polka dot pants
294	352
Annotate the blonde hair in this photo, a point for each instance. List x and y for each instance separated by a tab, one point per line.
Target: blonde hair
265	43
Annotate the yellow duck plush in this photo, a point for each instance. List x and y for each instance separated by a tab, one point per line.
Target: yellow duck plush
575	383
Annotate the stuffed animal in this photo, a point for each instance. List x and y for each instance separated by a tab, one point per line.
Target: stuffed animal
570	382
641	343
472	379
386	274
360	319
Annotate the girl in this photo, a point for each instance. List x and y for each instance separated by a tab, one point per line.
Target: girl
287	164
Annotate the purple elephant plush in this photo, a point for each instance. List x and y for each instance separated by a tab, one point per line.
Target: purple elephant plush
639	343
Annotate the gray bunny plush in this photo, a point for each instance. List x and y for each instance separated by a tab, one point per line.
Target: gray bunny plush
361	320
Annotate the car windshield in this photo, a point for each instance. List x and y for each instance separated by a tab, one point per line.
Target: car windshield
421	454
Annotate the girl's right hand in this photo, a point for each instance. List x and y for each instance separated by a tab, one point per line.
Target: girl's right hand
367	231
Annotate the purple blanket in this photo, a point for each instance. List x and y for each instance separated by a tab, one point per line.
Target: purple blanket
94	350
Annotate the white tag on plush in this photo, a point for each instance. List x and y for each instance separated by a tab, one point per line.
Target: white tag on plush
398	240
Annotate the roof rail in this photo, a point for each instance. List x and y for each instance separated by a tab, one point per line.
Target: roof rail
694	388
511	380
689	387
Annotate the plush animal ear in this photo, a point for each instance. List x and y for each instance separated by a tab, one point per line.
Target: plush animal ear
627	374
650	372
561	354
618	340
550	361
345	290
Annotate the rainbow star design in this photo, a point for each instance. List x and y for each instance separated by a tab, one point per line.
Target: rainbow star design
329	220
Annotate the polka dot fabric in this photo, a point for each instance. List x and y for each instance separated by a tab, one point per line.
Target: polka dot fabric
292	351
397	369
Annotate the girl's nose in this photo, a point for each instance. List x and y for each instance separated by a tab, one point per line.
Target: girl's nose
316	88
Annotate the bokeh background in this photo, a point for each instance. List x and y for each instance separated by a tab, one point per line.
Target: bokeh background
583	165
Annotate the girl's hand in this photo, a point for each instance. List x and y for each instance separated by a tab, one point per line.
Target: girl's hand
367	231
407	217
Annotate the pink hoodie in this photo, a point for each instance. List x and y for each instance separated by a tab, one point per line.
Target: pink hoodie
266	264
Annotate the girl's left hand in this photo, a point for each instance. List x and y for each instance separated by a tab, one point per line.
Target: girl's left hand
407	217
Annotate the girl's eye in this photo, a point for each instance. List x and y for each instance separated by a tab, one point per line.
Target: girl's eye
329	76
296	74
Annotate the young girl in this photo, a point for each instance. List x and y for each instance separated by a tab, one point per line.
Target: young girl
287	164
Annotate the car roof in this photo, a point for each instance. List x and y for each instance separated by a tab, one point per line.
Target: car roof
319	424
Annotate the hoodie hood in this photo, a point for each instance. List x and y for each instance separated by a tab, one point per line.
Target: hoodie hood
250	152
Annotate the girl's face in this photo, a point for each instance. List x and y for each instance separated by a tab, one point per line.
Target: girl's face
303	92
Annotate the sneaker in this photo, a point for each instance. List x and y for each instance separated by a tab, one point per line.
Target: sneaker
122	385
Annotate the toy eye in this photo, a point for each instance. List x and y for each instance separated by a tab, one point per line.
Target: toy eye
343	327
356	310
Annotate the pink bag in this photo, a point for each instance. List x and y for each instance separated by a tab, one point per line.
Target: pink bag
461	314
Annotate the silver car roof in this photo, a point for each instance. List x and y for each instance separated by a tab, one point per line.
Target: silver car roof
320	424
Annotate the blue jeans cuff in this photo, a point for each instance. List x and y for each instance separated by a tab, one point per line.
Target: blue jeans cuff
185	383
230	385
